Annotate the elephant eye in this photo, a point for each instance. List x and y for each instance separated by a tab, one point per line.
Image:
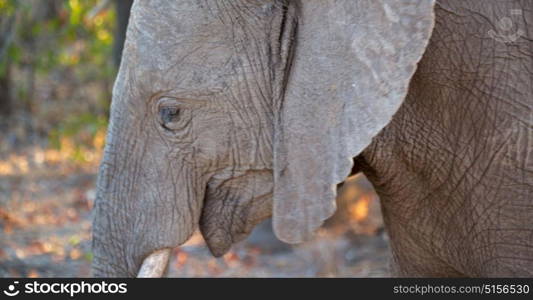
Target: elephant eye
170	117
172	114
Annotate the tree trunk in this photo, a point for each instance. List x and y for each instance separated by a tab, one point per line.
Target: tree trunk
123	8
7	28
5	99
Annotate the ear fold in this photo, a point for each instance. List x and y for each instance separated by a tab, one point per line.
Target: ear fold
351	69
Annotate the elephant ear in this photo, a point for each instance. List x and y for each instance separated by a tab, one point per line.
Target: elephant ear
352	65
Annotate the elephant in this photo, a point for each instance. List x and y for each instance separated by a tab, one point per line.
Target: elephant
228	112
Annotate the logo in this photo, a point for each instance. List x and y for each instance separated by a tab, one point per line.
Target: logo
11	290
507	32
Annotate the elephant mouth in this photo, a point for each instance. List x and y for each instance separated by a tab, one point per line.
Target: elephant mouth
233	205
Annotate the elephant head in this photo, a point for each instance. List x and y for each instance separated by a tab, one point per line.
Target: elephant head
227	112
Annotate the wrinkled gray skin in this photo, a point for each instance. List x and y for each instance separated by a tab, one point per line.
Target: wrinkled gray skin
454	169
192	127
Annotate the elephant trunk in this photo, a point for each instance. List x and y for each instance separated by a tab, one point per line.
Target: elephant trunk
133	219
145	200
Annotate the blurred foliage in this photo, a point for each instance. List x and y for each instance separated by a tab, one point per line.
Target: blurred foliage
78	136
60	60
61	39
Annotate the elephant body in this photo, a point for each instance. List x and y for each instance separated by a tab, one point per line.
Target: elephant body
227	112
454	168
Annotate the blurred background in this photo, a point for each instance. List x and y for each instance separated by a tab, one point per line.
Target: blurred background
58	60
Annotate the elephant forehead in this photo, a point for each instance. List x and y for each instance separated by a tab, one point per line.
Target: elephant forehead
175	39
200	43
160	28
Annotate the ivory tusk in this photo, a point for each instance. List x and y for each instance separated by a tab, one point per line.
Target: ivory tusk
155	264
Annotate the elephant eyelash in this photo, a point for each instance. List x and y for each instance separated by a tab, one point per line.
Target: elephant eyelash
162	99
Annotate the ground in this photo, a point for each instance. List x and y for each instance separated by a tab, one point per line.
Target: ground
45	220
